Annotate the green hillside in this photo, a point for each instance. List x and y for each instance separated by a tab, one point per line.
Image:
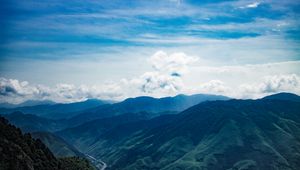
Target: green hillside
235	134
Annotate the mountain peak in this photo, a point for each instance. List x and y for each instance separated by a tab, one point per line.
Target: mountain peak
283	96
139	99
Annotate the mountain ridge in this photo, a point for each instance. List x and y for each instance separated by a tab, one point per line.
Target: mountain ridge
283	96
147	104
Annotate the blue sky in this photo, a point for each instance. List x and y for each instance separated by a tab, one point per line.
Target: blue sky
102	44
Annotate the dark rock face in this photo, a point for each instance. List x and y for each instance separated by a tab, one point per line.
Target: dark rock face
20	151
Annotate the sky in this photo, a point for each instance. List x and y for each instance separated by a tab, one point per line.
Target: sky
69	51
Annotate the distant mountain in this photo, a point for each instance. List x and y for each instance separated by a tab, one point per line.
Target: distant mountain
234	134
27	103
33	123
36	102
284	96
20	152
177	103
58	146
56	111
146	104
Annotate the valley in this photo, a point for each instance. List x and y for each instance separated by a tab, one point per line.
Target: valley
97	162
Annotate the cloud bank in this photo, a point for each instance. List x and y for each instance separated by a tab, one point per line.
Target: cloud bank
166	79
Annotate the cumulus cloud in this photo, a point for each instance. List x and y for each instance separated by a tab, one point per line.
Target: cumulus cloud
155	81
281	83
269	85
272	84
173	64
166	79
214	86
15	91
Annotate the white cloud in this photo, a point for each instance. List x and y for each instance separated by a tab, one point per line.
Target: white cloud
12	90
270	85
281	83
150	83
252	5
166	79
260	26
154	80
15	91
175	63
214	86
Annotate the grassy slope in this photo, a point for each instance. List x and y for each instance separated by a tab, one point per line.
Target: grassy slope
262	134
58	146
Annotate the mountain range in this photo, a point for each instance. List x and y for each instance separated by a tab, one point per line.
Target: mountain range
72	114
27	103
56	111
182	132
233	134
155	106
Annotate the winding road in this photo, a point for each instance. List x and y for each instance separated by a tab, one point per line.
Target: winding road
100	165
